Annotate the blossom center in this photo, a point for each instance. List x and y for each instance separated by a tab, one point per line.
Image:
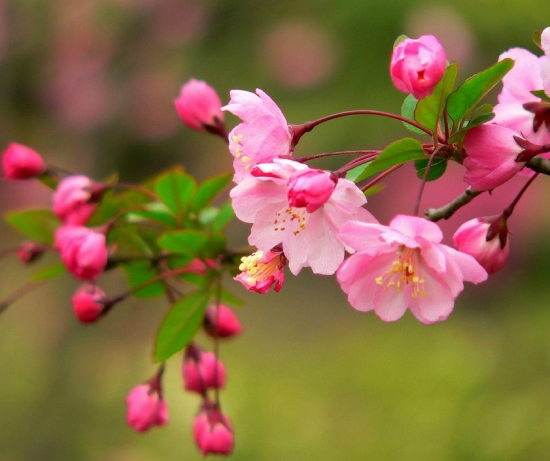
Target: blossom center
404	273
295	218
239	152
258	269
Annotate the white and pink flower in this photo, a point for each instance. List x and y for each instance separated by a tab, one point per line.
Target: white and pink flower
402	266
545	68
308	239
264	134
263	270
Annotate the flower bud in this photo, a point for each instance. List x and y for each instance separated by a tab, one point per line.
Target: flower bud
29	252
310	189
73	201
89	303
221	322
490	251
201	370
417	66
261	270
146	407
199	106
83	251
213	430
21	162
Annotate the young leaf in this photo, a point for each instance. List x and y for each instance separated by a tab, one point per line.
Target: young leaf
407	111
209	189
39	225
354	173
49	272
437	168
399	39
180	324
430	109
176	190
188	242
402	151
139	272
475	88
541	94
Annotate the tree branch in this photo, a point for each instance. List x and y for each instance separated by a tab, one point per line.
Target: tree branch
539	164
445	212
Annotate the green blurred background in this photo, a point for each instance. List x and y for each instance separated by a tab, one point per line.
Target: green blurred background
90	84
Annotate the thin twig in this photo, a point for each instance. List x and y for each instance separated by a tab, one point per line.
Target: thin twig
445	212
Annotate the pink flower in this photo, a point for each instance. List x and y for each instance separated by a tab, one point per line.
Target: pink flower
404	266
213	430
221	322
73	197
545	68
29	252
418	65
202	370
473	238
518	108
21	162
83	251
263	135
261	270
146	408
491	156
310	188
308	239
89	303
199	106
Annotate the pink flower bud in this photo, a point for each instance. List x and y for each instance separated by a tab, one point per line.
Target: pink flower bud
74	197
83	251
213	431
199	106
21	162
261	270
146	408
201	370
418	65
29	252
473	238
310	189
89	303
221	322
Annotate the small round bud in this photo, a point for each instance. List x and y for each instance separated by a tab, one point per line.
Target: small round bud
213	431
73	199
310	189
29	252
21	162
89	303
202	370
145	408
199	106
221	322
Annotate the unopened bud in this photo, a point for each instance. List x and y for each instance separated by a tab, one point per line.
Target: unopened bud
213	431
202	370
21	162
221	322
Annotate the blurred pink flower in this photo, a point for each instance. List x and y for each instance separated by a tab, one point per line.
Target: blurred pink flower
308	239
221	322
202	370
404	266
72	199
213	430
145	408
88	303
417	65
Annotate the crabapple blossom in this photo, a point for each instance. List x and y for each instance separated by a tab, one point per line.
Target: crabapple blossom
89	303
262	269
72	199
310	188
545	68
473	238
202	370
417	65
517	107
220	321
491	156
146	407
83	251
263	136
199	106
213	431
402	266
21	162
308	239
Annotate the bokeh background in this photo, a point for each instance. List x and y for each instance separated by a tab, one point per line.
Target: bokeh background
90	85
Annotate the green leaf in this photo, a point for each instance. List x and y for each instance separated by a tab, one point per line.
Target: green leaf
188	242
209	189
224	216
154	211
229	298
474	89
181	324
480	117
430	109
49	272
407	111
176	190
139	272
541	94
217	245
438	167
354	173
39	225
402	151
399	39
374	189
